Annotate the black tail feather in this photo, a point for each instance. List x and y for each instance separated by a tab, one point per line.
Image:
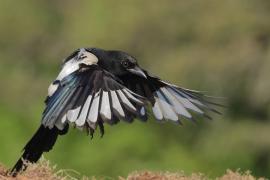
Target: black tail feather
42	141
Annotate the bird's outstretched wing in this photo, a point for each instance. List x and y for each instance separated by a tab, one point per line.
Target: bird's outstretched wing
88	97
170	102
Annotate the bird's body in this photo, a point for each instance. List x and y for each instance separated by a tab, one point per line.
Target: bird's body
96	86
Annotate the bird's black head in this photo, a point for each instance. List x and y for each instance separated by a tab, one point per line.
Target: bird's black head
118	63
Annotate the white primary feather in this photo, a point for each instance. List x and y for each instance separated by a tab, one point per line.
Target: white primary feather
126	102
72	115
82	118
60	124
64	119
116	105
192	100
156	110
105	110
93	113
185	102
178	107
131	97
167	109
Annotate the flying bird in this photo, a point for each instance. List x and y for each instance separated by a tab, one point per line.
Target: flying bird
97	86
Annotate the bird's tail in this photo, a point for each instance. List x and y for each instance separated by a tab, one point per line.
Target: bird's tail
42	141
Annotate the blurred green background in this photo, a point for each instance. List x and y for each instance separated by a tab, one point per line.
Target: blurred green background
221	47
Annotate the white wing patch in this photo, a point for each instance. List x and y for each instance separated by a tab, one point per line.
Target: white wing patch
185	101
93	113
105	110
89	59
81	120
166	108
128	93
117	108
170	103
73	64
156	110
68	68
72	115
177	106
125	101
104	104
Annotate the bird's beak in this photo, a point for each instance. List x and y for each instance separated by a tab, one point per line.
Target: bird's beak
138	71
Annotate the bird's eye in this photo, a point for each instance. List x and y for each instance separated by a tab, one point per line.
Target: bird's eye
126	64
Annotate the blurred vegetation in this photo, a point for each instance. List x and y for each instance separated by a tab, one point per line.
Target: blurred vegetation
221	47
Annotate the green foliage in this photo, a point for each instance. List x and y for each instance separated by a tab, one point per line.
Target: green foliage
221	47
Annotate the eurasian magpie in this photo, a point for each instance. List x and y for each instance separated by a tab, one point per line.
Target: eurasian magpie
97	86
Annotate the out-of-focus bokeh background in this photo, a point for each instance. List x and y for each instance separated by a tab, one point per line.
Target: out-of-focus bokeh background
221	47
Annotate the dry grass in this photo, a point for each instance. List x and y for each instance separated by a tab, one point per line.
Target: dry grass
40	171
230	175
44	171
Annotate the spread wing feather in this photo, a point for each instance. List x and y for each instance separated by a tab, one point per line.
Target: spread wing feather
91	96
88	98
170	102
